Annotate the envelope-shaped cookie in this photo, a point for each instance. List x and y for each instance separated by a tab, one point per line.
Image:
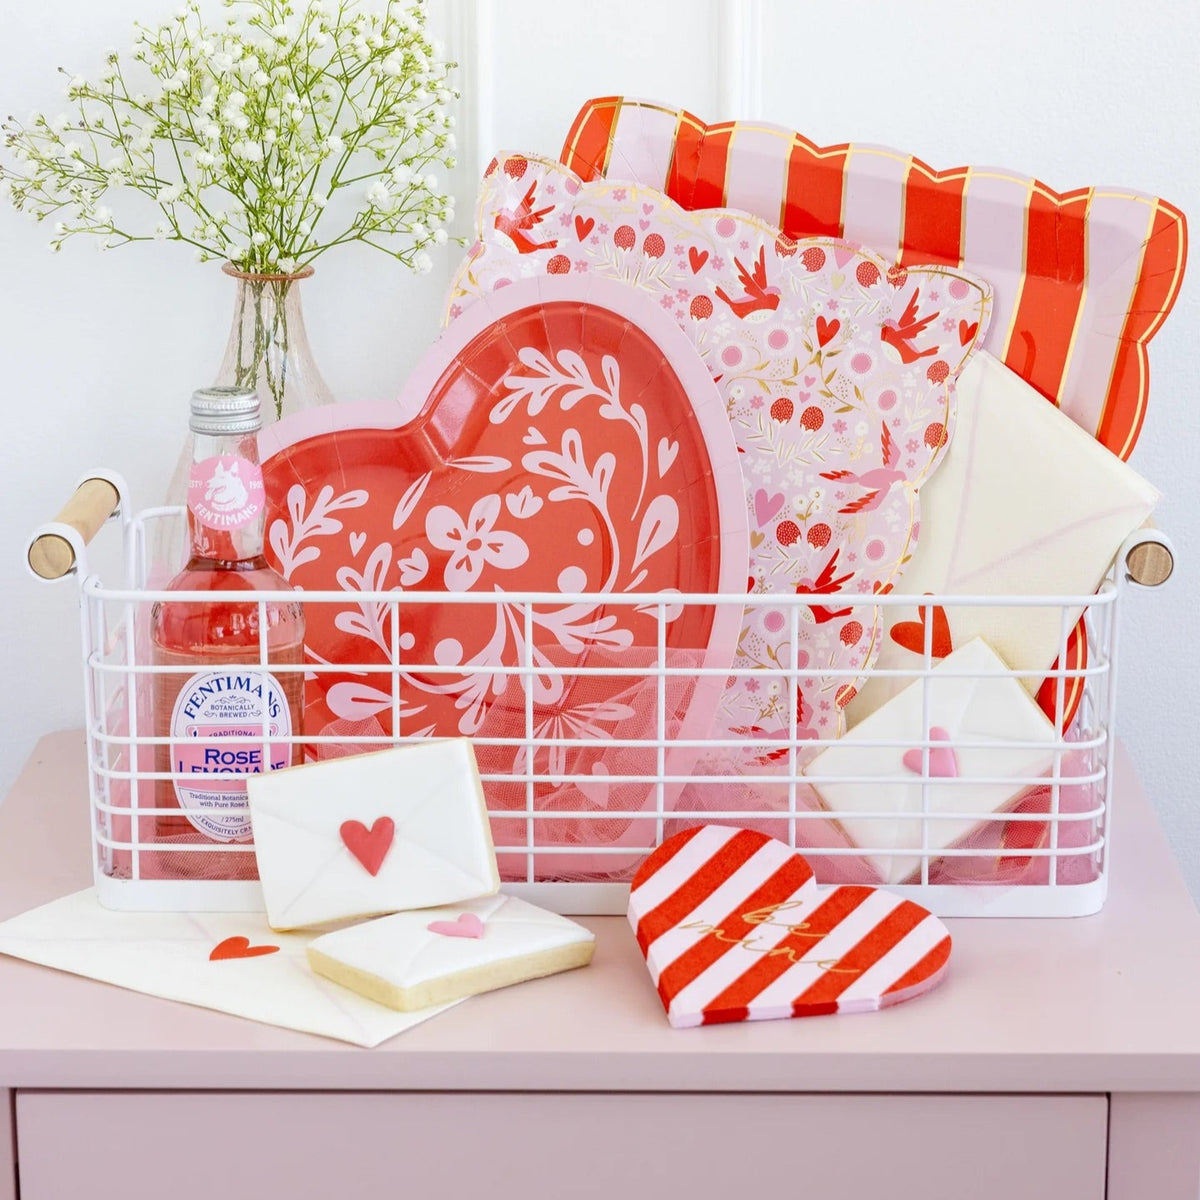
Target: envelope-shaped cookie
415	959
1024	502
985	743
229	962
373	833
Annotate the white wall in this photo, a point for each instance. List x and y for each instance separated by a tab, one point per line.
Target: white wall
100	352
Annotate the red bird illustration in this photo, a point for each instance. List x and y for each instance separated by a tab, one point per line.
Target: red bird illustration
823	585
515	221
877	480
758	295
898	336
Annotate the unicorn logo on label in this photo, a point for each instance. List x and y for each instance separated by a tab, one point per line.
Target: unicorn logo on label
226	492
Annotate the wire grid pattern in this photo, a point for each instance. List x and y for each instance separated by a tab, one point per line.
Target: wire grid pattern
661	781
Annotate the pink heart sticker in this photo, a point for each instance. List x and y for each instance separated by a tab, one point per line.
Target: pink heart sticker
943	762
468	925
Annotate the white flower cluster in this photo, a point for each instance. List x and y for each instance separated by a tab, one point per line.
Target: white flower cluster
243	132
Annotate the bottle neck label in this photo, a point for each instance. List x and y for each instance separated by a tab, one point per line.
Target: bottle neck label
226	492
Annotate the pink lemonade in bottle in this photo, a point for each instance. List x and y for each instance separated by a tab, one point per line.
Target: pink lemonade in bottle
222	711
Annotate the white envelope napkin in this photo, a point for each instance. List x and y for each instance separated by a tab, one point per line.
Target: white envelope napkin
440	851
997	711
168	955
1024	502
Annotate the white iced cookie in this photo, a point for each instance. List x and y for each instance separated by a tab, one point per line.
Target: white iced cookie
976	728
416	959
373	833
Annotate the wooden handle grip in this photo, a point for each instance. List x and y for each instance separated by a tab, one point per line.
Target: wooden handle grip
94	501
1149	563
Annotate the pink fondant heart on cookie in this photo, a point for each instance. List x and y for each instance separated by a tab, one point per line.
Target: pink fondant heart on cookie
369	846
734	928
943	762
467	925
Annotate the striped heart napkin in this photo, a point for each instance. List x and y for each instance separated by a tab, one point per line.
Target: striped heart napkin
734	928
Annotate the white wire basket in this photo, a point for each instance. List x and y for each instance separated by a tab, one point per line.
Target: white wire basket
575	809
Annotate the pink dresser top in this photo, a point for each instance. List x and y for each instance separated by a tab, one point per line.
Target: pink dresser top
1104	1003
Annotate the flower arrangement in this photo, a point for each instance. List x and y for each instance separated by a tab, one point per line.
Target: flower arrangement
244	134
264	138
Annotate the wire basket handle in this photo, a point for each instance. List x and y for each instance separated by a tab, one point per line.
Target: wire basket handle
58	548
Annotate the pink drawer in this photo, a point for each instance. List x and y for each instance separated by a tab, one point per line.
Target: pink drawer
459	1146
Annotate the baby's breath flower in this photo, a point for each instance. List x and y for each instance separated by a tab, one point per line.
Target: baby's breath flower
251	124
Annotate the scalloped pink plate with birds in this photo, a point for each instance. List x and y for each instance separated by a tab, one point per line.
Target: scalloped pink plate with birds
834	370
565	439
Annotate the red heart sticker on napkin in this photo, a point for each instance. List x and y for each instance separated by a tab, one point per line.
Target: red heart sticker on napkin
734	928
369	846
239	947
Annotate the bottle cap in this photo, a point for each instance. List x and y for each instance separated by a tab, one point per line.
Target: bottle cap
218	410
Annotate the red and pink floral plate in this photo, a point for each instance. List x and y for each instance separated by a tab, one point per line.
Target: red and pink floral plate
562	438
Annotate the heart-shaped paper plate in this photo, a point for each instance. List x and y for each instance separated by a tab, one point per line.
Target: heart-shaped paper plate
734	928
1083	279
564	438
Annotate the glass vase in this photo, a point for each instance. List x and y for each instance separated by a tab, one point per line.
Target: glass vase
268	346
267	350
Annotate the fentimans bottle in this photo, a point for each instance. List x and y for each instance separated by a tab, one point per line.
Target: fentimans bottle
227	709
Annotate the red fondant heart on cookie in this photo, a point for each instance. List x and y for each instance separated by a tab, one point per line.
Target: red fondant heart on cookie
734	928
369	846
239	947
